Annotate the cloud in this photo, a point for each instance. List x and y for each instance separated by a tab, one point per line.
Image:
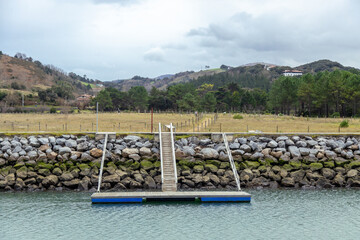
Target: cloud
120	2
111	39
154	55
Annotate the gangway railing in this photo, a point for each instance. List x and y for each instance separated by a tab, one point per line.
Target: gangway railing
236	175
173	152
161	156
102	163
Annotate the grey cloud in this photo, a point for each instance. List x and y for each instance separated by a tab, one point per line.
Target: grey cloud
120	2
154	55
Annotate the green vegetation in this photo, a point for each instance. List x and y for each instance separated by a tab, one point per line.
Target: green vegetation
53	110
237	116
344	124
323	94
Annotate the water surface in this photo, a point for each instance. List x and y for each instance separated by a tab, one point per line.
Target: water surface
272	214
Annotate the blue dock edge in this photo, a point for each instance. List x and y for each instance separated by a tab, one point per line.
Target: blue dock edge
209	199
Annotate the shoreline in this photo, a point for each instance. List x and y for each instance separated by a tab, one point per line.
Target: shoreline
70	162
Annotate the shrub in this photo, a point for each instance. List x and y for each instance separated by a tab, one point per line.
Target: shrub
52	110
237	116
344	124
335	115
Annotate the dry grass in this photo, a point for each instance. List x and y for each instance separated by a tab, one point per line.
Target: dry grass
86	122
282	124
141	122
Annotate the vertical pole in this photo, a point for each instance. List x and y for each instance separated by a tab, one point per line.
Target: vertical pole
220	127
97	116
22	99
152	119
308	128
39	126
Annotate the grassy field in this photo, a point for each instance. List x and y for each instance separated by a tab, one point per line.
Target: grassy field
141	122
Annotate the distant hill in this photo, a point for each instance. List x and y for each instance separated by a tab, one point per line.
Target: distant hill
251	75
23	74
324	65
163	82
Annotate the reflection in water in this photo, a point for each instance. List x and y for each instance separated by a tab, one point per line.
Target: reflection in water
272	214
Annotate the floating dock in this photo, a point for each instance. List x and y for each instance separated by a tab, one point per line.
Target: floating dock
168	179
199	196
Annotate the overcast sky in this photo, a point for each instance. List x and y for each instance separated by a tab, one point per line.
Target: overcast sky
109	39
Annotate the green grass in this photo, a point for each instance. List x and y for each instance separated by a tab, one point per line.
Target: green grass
91	85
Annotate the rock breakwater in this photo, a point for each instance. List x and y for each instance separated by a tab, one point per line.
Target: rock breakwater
68	162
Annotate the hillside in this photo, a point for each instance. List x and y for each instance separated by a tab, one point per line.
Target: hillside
252	75
325	65
44	83
161	83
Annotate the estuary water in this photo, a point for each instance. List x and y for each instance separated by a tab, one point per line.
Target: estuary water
272	214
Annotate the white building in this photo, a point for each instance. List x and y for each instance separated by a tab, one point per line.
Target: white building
292	73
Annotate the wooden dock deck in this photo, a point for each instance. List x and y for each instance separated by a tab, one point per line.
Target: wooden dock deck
140	197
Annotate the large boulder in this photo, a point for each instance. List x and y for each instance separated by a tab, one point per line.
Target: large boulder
209	153
129	151
96	153
131	138
50	180
272	144
71	143
294	151
245	148
144	151
288	182
64	150
188	151
83	146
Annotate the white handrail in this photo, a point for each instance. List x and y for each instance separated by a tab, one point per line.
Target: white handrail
173	151
236	176
161	156
102	163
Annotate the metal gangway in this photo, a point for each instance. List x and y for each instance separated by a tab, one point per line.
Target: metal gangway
106	135
168	160
236	175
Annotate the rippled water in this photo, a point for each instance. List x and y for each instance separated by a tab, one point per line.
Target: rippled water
272	214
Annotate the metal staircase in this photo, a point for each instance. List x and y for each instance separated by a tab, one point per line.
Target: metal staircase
168	160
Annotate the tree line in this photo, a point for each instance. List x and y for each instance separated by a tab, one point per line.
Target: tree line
183	97
329	94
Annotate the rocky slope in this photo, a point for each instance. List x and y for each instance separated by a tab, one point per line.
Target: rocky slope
72	162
